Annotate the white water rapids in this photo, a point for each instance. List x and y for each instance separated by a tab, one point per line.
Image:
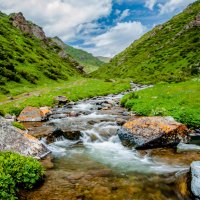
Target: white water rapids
100	143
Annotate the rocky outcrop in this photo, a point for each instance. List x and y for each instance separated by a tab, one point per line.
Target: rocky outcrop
59	42
33	114
19	21
196	22
60	100
192	24
16	140
152	132
195	179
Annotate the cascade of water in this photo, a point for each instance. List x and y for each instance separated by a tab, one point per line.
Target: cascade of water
100	142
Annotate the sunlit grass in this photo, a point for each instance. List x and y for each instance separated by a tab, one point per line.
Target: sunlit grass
180	100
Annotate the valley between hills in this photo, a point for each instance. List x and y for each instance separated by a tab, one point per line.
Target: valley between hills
77	126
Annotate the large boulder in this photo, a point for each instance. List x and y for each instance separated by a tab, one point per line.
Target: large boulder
151	132
30	114
195	179
33	114
16	140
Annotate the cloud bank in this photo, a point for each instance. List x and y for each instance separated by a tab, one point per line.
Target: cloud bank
116	39
78	21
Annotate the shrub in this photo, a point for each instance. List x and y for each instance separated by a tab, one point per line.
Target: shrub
3	90
17	172
15	111
127	97
19	125
2	112
7	186
29	77
50	75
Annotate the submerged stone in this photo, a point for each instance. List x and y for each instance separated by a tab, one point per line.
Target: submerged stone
152	132
187	147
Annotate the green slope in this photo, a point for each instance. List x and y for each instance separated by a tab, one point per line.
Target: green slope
26	61
87	60
170	52
104	59
180	100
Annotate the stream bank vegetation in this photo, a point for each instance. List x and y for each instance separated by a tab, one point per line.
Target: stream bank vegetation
17	172
74	90
179	100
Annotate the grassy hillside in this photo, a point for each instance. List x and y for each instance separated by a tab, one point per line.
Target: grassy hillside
27	62
170	52
104	59
87	60
73	89
180	100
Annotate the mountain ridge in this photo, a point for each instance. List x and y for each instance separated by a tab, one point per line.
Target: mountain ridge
28	57
169	52
87	60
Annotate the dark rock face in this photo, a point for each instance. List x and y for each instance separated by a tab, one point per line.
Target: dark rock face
195	179
16	140
51	133
19	21
152	132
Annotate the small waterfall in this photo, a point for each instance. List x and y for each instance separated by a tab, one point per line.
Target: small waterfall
100	143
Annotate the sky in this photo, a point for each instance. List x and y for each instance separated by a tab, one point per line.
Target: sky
101	27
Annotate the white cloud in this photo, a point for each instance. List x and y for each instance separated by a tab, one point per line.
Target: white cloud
150	4
124	14
116	39
172	5
117	12
59	17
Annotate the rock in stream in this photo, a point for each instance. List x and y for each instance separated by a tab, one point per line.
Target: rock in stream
151	132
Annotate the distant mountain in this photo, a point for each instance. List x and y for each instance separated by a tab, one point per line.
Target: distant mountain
170	52
104	59
27	56
87	60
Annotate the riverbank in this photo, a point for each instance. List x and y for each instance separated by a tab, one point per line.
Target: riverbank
179	100
74	90
95	165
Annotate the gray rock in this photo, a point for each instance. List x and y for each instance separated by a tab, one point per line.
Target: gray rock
16	140
30	114
153	132
58	116
195	182
61	99
187	147
19	21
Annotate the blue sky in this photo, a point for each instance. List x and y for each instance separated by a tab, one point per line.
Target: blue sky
101	27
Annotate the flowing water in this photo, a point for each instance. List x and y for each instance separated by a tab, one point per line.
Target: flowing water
98	166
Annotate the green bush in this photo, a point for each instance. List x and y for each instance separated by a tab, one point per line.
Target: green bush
15	111
29	77
19	125
17	172
7	186
2	112
3	90
127	97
